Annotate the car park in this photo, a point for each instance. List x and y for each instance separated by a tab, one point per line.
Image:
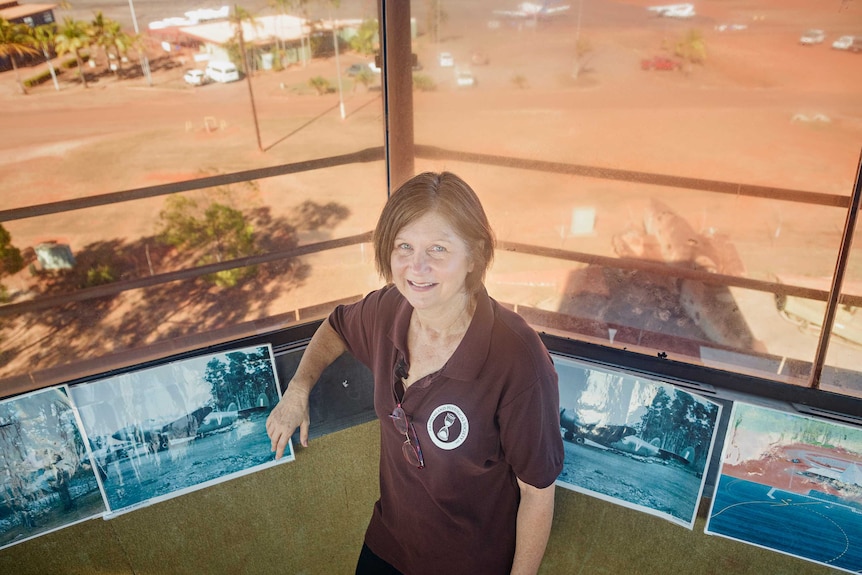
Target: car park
812	36
843	43
659	63
446	60
195	77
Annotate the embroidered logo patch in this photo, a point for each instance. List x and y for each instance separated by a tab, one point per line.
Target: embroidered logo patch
448	426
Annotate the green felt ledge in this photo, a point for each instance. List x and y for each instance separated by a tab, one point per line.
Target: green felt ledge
308	517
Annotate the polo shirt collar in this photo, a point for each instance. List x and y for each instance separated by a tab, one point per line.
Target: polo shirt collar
472	353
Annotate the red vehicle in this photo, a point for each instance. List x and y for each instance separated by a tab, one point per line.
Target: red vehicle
659	63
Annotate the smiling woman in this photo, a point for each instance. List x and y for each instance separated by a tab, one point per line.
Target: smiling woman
468	384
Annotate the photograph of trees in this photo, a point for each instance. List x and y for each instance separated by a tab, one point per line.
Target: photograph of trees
163	431
635	441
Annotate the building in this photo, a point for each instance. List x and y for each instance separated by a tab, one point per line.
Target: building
31	14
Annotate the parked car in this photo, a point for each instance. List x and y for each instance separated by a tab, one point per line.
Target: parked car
356	69
465	79
195	77
222	72
446	60
843	43
812	36
856	45
660	63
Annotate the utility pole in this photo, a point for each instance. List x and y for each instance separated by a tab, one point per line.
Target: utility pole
145	63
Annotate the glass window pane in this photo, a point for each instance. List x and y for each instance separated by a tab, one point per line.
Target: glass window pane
287	153
841	371
649	171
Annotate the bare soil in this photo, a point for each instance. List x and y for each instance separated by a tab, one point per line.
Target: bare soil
746	115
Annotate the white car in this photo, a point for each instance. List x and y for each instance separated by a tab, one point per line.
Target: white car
195	77
812	36
446	60
465	79
843	43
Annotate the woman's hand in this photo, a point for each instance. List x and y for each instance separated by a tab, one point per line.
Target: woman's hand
290	413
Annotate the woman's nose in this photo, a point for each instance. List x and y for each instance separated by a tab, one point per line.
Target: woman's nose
419	261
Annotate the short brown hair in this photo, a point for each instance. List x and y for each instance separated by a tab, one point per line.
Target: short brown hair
452	198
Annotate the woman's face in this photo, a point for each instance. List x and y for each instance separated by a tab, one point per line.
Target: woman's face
430	263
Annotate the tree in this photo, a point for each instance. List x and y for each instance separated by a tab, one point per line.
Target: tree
72	38
10	259
285	6
16	40
96	31
691	48
44	36
237	18
365	41
214	230
108	35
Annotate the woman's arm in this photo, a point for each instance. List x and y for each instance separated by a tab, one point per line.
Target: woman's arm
292	411
535	514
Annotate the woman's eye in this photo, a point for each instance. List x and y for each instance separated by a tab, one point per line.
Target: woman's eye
403	246
438	249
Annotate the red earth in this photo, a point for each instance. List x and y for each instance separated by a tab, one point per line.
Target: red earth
745	115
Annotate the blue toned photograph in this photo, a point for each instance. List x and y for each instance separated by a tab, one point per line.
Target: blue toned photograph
634	441
46	477
163	431
792	484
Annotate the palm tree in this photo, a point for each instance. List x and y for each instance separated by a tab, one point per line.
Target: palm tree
44	35
113	38
16	40
73	38
96	31
239	16
365	40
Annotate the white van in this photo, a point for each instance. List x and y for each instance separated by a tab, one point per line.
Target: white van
222	72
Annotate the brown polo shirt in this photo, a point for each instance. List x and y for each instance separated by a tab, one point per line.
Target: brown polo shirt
491	414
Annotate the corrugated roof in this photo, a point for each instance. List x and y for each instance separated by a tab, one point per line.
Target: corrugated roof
279	27
267	29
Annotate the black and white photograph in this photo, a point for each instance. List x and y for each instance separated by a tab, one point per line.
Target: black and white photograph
47	479
163	431
635	441
784	472
343	396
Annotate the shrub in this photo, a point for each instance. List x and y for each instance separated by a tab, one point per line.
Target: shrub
99	275
520	81
40	78
322	85
423	83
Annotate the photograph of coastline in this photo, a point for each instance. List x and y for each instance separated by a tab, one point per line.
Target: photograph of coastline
792	484
46	478
635	441
164	431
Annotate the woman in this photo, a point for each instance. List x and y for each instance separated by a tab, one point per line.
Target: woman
466	392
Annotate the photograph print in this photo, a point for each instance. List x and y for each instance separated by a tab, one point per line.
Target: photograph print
793	484
163	431
47	478
634	441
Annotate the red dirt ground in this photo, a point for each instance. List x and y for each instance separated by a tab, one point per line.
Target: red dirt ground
730	120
